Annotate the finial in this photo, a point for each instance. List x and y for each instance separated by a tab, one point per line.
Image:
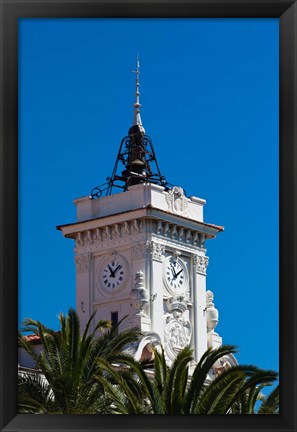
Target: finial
137	105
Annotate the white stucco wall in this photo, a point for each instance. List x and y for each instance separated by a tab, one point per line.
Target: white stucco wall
138	196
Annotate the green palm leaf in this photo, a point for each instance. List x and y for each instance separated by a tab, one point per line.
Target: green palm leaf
200	374
69	364
270	405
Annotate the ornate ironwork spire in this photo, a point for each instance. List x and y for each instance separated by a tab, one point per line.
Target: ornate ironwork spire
137	155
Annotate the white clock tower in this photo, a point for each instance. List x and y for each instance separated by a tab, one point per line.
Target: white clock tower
141	253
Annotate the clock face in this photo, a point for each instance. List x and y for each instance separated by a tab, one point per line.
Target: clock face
175	275
113	274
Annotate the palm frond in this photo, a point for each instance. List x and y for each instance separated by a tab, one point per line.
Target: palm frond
217	397
200	374
34	394
176	381
271	404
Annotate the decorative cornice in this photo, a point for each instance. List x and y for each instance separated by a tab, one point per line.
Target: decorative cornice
108	233
173	245
115	234
178	233
147	212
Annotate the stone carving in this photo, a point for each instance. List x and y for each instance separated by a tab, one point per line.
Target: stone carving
159	227
157	250
153	297
96	238
89	237
167	230
134	226
93	237
125	229
106	233
201	240
79	239
115	231
140	294
176	200
83	262
200	263
178	329
188	236
196	238
224	363
96	235
212	314
177	339
178	303
174	232
151	340
179	233
154	226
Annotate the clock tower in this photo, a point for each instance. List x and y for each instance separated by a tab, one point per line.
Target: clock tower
140	253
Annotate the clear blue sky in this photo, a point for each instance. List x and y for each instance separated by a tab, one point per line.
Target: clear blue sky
209	90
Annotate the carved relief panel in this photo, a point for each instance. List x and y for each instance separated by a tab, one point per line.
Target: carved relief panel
177	201
178	328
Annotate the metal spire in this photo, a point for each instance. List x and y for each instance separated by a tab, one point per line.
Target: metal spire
137	104
137	155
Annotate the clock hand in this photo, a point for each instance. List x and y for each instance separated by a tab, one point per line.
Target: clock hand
178	273
119	266
111	272
173	271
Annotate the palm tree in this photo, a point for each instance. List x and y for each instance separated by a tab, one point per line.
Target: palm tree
247	403
270	404
170	390
68	365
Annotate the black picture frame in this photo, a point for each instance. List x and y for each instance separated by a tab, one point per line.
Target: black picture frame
11	11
